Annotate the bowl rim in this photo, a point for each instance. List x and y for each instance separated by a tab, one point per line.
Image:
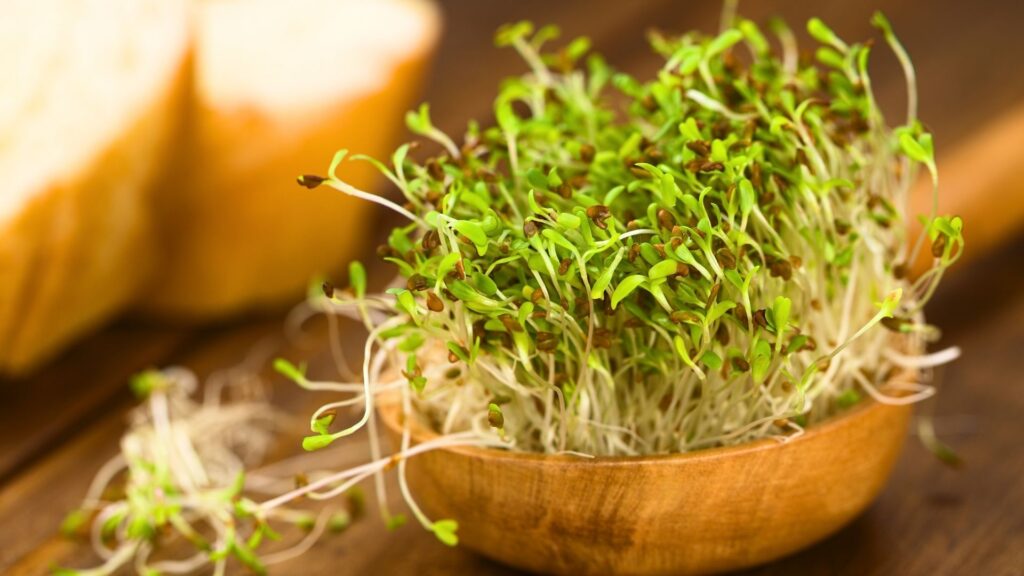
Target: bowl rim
389	410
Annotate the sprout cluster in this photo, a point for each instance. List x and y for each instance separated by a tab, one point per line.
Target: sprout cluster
180	477
616	267
624	267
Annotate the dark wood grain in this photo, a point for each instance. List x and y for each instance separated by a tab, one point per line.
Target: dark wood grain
58	427
69	394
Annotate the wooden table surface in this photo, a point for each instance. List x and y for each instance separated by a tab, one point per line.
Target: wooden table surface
57	427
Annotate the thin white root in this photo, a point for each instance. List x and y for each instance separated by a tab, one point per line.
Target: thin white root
939	358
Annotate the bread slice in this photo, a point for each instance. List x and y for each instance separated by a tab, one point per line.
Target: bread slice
76	155
279	87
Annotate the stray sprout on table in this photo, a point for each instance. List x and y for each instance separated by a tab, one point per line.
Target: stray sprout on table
617	267
182	473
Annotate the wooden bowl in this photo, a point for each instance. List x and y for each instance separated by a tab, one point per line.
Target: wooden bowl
708	511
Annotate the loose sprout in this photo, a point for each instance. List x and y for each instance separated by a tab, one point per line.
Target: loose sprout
181	470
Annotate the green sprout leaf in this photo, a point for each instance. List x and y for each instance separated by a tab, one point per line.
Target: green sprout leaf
474	232
145	383
413	342
484	284
247	556
395	521
762	361
747	197
445	531
689	130
305	521
718	310
74	522
662	269
322	424
419	121
448	263
829	57
458	351
822	33
711	360
339	522
357	278
511	33
570	221
495	418
723	42
312	443
290	371
919	149
335	162
891	303
680	346
878	20
753	35
406	302
626	287
780	313
848	398
598	289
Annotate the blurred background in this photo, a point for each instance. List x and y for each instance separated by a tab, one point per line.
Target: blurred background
149	216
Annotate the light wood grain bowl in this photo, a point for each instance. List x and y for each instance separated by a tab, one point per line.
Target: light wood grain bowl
703	512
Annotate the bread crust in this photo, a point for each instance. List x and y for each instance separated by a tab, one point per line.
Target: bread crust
238	233
84	247
191	212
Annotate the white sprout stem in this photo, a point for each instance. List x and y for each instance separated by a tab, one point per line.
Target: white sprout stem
920	391
103	478
932	360
533	60
96	538
337	354
790	50
120	558
728	16
186	566
712	104
303	545
637	232
345	487
909	73
367	382
513	157
375	453
351	190
403	483
451	441
444	140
